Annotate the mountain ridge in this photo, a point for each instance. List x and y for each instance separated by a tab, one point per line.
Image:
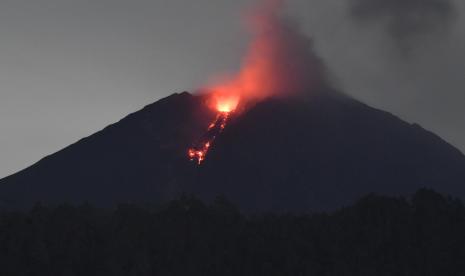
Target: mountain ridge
320	152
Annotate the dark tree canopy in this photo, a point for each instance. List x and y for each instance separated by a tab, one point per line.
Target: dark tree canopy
423	235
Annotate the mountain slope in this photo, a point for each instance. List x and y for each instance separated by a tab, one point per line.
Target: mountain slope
286	154
326	153
133	159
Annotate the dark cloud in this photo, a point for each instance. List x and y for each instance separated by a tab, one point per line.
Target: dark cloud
405	20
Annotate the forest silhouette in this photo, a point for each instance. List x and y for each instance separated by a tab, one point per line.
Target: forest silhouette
378	235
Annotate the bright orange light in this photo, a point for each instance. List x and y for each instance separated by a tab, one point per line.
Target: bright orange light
226	103
224	107
200	150
279	61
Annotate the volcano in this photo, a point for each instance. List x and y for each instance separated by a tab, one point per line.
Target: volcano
281	154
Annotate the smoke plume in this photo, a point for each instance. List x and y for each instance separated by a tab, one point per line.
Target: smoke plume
405	20
279	60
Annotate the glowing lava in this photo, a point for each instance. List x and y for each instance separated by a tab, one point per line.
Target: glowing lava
279	62
199	151
223	100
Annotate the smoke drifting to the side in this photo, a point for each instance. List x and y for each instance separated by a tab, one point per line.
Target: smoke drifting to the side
279	60
405	20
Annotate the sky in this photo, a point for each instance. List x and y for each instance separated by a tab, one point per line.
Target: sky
68	68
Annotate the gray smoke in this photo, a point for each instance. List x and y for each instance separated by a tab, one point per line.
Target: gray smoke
406	21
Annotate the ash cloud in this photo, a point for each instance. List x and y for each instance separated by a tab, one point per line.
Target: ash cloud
406	20
279	61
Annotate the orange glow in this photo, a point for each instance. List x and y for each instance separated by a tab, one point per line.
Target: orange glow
200	150
279	61
227	104
222	100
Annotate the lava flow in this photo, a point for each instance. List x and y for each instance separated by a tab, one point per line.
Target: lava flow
279	62
199	151
224	105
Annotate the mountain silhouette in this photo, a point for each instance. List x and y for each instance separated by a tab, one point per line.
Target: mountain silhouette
287	154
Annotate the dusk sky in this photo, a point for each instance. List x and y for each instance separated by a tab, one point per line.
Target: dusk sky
68	68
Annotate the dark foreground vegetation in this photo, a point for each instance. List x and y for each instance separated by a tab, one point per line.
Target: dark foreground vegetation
424	235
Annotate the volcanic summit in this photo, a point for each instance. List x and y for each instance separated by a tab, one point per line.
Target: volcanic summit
278	138
280	154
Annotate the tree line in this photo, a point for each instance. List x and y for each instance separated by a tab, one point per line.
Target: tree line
378	235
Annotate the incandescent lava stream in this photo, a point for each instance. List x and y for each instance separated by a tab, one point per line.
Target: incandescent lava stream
224	107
